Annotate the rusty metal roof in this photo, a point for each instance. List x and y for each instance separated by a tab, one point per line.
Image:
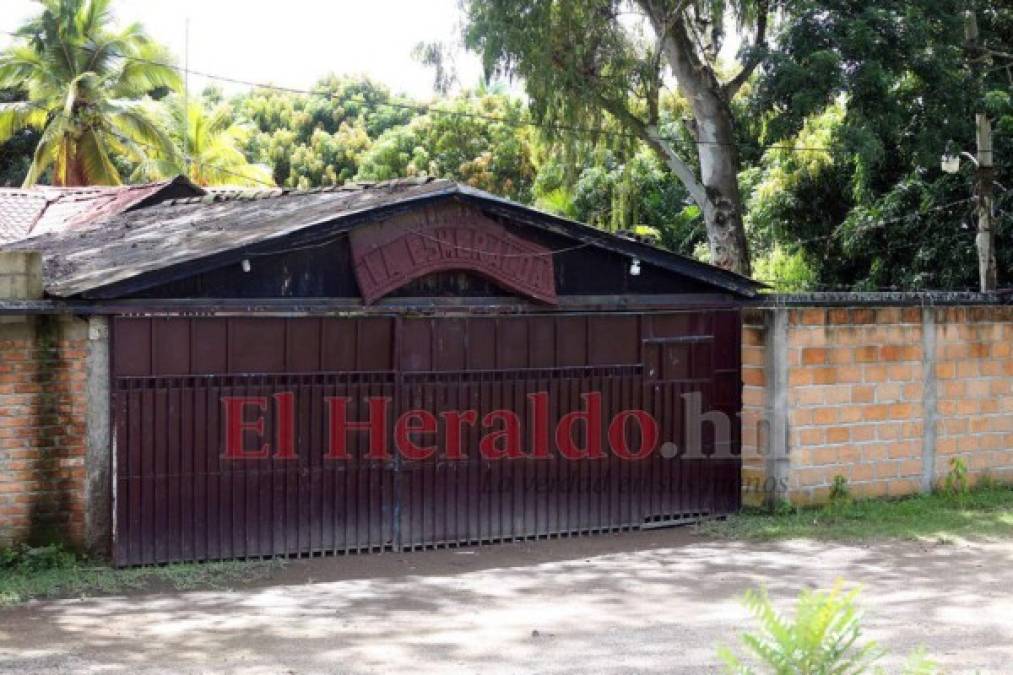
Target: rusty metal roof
190	228
26	213
176	237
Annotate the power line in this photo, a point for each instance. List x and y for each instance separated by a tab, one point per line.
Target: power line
882	223
150	146
195	160
432	109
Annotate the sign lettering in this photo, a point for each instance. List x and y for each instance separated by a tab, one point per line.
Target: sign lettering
389	254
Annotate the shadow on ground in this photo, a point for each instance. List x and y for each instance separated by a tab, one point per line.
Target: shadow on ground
645	602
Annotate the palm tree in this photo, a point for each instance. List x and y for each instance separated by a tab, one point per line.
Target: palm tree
213	146
85	83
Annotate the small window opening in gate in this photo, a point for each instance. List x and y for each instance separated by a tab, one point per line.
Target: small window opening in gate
635	267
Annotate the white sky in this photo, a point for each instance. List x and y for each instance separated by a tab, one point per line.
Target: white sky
295	42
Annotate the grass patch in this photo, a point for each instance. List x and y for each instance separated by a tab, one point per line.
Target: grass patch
982	513
51	572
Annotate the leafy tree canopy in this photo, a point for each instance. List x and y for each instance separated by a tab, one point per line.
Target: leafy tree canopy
83	81
887	86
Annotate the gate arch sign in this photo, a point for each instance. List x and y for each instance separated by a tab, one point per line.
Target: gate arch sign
389	254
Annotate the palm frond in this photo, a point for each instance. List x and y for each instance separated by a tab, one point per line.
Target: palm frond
19	64
20	115
47	151
135	121
97	168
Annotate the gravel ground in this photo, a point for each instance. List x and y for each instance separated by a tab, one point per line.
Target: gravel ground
656	601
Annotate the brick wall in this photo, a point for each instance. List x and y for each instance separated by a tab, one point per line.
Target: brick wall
43	407
755	484
884	396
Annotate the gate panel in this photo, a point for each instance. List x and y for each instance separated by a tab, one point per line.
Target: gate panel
178	498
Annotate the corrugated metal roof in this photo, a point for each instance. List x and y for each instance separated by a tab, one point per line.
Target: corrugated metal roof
194	231
186	229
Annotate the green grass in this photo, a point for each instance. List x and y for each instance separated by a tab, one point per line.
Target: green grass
50	572
985	513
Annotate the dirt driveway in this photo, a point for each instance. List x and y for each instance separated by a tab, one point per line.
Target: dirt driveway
647	602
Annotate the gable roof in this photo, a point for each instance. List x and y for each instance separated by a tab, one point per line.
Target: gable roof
181	237
26	213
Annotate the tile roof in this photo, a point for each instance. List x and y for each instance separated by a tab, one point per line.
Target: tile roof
43	210
19	209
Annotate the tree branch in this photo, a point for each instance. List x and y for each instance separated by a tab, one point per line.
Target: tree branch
733	85
650	134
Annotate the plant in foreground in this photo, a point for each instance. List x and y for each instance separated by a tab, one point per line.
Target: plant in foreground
822	639
955	484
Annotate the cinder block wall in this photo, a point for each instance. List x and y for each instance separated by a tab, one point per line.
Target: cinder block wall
884	396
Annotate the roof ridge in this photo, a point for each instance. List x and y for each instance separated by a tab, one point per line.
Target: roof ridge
239	193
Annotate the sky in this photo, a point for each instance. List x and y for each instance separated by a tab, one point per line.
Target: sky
295	42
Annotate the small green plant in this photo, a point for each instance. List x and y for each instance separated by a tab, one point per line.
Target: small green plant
823	637
50	571
955	484
27	559
839	491
783	507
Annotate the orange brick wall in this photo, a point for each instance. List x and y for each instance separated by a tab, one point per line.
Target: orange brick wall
754	405
42	429
857	390
974	369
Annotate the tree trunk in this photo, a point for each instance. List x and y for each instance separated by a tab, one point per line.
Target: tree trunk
73	174
717	191
719	169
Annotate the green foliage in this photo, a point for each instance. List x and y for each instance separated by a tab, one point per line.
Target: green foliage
783	271
317	140
886	85
80	92
51	571
821	639
955	484
985	511
16	152
558	201
839	491
212	142
783	507
609	188
479	140
28	560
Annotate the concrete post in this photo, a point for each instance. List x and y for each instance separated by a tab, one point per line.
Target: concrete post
98	523
930	397
778	448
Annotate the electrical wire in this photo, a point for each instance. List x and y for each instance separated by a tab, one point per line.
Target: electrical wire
882	223
432	109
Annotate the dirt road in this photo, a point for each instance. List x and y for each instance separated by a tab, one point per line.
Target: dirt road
648	602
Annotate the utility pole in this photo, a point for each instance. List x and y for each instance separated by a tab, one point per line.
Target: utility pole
985	172
986	235
186	97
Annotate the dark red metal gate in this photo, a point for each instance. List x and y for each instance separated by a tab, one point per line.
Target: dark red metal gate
178	498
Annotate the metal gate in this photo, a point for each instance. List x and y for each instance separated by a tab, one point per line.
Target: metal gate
177	496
